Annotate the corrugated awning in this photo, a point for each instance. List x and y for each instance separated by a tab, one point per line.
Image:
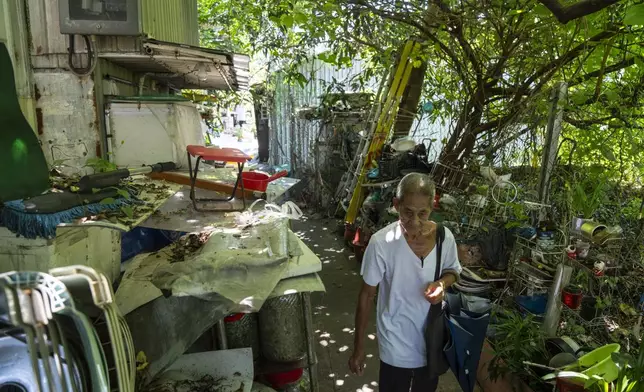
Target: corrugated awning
187	67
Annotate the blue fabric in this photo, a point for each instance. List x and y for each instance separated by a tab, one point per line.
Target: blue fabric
468	332
144	239
14	217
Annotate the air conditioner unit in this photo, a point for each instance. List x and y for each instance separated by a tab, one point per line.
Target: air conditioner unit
99	17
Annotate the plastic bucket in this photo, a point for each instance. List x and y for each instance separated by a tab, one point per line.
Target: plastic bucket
598	362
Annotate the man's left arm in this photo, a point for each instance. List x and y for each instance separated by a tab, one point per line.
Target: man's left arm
451	268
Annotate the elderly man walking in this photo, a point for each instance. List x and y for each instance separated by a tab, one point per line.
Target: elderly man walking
400	261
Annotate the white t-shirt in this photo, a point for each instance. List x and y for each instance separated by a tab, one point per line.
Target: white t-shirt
402	308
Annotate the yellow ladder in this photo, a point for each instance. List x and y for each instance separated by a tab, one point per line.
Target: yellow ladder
384	125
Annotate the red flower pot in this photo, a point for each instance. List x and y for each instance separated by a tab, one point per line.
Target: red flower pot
571	297
349	232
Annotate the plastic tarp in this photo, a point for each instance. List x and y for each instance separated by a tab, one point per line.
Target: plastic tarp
236	270
242	266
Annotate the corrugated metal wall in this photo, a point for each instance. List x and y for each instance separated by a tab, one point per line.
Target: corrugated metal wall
292	138
171	20
430	133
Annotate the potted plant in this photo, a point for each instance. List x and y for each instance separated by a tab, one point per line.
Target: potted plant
589	308
511	351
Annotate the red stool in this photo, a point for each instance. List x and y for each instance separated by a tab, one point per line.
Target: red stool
219	155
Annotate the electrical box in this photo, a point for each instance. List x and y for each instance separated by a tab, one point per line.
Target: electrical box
99	17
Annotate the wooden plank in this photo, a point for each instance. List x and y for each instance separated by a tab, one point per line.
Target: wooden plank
216	186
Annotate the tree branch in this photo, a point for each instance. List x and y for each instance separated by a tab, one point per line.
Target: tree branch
565	14
595	74
551	67
585	124
457	32
402	18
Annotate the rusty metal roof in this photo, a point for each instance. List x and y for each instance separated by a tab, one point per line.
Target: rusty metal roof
186	67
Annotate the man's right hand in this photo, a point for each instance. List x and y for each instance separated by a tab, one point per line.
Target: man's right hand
356	362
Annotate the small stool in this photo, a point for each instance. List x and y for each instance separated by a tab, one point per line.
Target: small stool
219	155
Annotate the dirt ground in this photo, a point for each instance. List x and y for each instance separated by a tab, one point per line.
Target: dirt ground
334	313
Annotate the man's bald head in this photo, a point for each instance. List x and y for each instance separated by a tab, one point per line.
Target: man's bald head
416	184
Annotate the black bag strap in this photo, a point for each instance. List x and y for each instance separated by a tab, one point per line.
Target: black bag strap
440	236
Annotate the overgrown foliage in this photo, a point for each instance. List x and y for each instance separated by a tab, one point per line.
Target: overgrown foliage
490	64
517	339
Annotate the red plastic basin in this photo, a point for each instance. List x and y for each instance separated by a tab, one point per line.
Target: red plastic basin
280	380
257	181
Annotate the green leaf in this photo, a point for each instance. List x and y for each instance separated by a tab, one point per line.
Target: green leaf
300	18
541	10
328	57
612	95
634	15
108	200
329	7
123	193
287	20
580	96
74	188
639	62
128	211
607	153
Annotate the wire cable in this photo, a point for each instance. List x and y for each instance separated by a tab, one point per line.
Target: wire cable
92	56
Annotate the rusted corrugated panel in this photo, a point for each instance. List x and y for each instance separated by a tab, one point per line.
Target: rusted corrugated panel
171	20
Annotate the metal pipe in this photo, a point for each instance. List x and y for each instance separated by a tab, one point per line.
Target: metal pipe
120	80
220	330
310	339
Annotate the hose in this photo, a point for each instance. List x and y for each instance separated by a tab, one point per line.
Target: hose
91	57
